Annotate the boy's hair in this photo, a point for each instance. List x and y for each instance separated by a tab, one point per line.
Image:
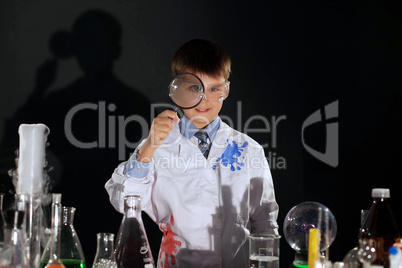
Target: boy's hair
202	56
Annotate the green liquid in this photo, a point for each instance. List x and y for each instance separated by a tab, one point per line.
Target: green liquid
68	264
300	265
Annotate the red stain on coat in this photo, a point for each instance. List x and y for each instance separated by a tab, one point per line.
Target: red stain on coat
168	245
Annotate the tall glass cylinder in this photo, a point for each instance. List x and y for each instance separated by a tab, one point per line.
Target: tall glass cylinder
31	162
54	260
2	221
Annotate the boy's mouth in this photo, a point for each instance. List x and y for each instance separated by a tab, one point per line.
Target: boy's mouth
202	110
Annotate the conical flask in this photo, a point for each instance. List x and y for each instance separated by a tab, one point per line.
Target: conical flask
132	247
104	257
71	254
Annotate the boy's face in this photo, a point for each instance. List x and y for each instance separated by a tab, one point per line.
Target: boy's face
205	112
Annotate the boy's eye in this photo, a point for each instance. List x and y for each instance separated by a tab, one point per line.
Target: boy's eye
197	88
218	89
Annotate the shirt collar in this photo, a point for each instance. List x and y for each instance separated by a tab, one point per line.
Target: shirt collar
188	129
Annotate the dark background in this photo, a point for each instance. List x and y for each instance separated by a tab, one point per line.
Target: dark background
289	59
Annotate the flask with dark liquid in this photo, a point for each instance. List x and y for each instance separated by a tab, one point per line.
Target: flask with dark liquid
132	247
380	225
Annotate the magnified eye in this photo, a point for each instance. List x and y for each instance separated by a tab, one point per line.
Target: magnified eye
196	88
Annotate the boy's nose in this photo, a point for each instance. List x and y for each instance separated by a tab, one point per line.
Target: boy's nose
205	98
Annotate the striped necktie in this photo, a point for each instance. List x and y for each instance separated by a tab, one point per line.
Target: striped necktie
203	145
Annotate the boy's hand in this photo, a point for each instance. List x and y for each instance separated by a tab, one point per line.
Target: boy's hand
161	127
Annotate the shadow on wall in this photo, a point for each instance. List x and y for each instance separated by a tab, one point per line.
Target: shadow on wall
90	125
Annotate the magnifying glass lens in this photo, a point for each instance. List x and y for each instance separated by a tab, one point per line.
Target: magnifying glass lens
186	90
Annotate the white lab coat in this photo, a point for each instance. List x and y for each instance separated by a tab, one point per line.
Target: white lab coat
205	207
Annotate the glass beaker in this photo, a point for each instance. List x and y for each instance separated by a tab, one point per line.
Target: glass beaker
71	253
264	250
104	257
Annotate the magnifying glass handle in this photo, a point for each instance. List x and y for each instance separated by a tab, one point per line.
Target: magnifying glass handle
175	109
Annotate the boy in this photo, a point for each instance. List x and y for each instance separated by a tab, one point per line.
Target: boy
205	196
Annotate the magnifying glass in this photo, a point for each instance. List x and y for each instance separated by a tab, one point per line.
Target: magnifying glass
186	90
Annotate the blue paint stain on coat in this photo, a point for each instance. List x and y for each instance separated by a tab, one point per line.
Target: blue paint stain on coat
231	156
